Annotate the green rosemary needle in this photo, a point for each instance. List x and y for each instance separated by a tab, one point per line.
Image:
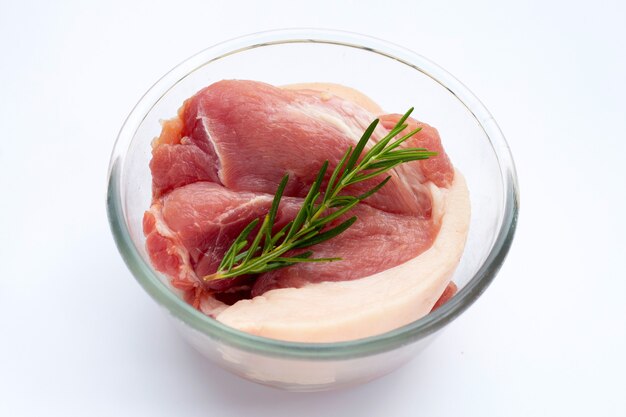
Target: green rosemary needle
266	251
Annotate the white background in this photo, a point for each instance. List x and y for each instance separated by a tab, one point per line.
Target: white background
78	336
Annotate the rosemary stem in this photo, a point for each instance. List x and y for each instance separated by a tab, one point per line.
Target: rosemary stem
311	224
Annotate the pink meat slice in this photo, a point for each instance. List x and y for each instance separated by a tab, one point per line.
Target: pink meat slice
216	167
180	164
439	169
204	218
377	241
246	135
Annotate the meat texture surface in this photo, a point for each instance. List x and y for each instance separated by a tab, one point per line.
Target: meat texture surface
217	165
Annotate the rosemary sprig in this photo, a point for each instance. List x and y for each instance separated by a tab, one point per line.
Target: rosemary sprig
266	251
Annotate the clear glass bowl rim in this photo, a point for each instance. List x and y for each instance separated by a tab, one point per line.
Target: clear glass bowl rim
409	333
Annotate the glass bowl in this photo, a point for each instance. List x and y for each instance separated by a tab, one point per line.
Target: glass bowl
396	79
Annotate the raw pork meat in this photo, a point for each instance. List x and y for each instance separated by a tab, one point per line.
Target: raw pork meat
216	167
